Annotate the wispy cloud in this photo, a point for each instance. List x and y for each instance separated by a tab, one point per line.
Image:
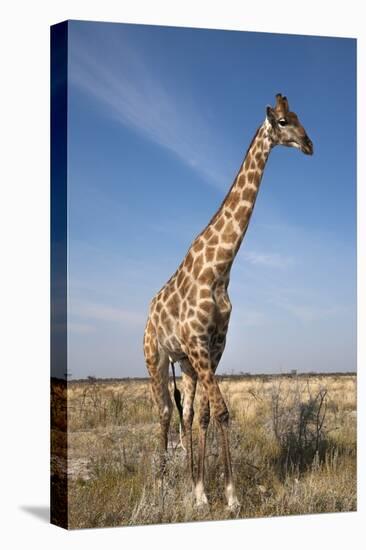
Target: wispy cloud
131	93
272	260
308	313
90	311
247	317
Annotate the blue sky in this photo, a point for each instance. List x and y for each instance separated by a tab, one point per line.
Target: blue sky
159	121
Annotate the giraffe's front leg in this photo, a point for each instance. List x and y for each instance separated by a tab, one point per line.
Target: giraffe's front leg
189	378
204	420
214	401
232	499
221	415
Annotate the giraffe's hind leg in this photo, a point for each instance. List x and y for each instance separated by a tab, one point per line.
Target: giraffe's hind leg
157	362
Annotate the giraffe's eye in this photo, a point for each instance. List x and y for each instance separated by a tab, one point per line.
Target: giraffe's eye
282	122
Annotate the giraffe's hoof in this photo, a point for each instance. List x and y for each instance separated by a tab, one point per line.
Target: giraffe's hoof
233	503
200	496
201	503
234	506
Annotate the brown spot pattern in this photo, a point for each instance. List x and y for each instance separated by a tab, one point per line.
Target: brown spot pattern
210	253
261	164
233	199
207	276
249	194
208	233
197	265
214	239
205	293
173	305
242	180
206	306
219	224
188	261
223	254
251	175
198	245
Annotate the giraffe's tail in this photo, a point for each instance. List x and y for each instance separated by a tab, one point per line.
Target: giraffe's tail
177	395
178	402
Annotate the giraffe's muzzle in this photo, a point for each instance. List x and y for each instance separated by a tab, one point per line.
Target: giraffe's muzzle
307	146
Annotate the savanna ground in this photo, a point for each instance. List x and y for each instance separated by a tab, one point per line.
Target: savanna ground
293	442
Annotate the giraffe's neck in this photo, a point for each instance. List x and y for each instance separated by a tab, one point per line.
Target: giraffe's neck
227	228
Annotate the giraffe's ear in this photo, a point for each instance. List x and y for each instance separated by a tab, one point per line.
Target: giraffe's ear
281	104
271	117
285	104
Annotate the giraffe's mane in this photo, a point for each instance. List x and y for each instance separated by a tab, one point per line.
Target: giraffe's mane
213	219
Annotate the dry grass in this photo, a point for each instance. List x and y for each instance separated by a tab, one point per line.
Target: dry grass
293	453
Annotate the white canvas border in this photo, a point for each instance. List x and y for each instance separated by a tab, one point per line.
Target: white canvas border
25	261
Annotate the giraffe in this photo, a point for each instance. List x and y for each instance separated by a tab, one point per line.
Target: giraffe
189	317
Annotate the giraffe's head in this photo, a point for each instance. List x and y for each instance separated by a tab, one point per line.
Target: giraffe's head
286	128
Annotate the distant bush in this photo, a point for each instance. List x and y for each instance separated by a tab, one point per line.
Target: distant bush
298	424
